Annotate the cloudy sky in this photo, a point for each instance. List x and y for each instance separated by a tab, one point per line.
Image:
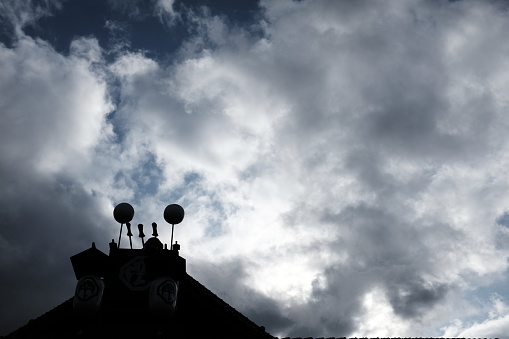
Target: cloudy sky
343	165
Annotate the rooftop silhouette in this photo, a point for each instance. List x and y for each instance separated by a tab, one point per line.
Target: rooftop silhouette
139	293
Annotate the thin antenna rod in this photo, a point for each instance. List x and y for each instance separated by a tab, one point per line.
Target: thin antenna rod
120	235
171	246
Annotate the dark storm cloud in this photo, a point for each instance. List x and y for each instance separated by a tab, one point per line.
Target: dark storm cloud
391	85
388	86
332	309
412	298
382	253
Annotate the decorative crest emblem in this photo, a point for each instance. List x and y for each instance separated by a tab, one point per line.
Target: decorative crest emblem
167	290
86	289
133	274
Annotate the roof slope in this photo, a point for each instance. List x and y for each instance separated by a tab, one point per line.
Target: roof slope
200	314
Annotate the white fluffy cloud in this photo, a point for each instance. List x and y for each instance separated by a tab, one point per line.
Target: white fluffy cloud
53	106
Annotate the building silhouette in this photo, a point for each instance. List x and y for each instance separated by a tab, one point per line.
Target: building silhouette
139	293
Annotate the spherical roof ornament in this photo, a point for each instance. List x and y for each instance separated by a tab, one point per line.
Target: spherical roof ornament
123	213
173	214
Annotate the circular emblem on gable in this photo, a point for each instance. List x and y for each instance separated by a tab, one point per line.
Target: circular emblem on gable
133	274
86	289
167	290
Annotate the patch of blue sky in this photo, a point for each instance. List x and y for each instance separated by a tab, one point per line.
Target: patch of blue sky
143	180
123	106
503	220
215	227
482	298
500	287
118	134
147	177
188	189
502	235
193	187
142	28
74	19
118	128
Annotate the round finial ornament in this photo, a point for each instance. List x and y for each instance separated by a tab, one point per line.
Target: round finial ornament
123	213
173	214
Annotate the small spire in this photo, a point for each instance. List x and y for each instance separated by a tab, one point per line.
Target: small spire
142	235
154	229
140	228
